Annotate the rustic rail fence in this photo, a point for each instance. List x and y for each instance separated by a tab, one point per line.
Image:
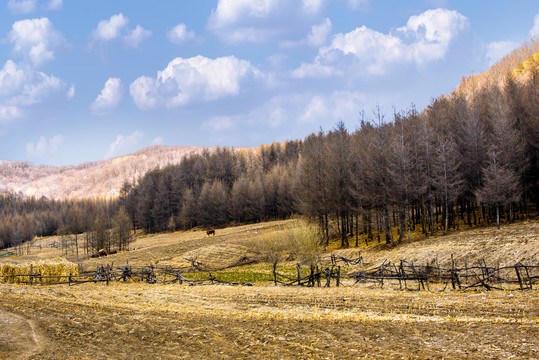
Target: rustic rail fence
327	272
521	276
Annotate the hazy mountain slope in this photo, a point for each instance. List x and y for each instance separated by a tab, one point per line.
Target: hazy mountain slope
87	180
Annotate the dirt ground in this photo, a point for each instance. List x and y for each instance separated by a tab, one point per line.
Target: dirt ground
142	321
19	338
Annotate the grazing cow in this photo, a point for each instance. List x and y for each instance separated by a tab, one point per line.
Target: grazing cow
102	252
210	232
113	252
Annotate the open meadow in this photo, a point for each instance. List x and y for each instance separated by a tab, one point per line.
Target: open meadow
136	320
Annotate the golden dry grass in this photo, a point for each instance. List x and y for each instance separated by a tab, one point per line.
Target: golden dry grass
506	246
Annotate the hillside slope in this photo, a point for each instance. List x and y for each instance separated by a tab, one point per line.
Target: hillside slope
88	180
506	246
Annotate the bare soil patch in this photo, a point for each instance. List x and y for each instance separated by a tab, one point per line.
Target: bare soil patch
19	337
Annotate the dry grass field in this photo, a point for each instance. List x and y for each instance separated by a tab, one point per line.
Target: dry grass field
144	321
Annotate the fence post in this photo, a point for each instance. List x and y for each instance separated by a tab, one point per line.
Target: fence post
519	278
529	278
453	272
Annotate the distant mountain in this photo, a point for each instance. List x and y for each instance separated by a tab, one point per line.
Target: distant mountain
91	179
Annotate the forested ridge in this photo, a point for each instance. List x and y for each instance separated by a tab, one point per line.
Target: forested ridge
471	157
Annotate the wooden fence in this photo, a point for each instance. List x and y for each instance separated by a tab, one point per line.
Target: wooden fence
407	273
328	270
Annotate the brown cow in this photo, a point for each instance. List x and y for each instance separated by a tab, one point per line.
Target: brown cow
210	232
102	252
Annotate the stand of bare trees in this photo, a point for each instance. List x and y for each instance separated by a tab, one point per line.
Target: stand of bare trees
471	157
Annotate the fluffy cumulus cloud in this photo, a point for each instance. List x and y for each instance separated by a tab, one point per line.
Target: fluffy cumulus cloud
425	38
498	49
24	86
35	40
534	32
180	35
116	27
109	98
196	79
258	21
124	144
44	146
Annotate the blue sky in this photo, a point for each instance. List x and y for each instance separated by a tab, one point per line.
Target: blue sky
87	80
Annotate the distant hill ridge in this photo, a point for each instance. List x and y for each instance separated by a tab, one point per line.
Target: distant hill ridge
90	179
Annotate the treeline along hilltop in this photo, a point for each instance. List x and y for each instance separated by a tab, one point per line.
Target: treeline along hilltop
470	158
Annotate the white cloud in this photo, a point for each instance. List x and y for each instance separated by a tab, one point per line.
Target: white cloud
319	33
425	38
257	21
194	79
534	31
22	6
315	70
158	141
124	144
137	36
44	146
71	92
110	97
432	32
35	40
116	28
340	105
112	28
179	35
55	4
23	86
498	49
8	114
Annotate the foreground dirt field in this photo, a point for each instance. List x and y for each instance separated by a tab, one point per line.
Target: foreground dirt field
141	321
